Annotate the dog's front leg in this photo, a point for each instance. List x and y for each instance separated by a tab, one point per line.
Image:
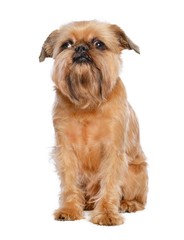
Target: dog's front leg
72	197
111	173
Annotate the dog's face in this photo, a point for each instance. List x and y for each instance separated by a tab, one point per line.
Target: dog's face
87	59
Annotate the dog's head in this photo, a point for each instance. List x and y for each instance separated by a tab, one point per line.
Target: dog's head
87	59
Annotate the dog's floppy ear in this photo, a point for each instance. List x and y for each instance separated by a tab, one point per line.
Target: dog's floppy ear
124	40
48	46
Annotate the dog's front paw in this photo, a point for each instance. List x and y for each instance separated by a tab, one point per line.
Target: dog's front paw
64	214
108	218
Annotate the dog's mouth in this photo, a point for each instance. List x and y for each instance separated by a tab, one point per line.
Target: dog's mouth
82	58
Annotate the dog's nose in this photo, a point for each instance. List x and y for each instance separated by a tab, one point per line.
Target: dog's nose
81	48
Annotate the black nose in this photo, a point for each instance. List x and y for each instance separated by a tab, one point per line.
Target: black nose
81	48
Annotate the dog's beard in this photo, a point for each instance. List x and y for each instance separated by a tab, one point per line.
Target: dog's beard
85	84
81	83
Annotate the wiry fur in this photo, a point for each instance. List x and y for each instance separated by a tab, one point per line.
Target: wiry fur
98	154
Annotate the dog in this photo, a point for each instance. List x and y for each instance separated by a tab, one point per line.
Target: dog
98	155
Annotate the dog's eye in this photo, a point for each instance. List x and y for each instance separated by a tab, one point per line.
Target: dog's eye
99	44
67	44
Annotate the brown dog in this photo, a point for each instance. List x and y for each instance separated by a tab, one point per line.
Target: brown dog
98	154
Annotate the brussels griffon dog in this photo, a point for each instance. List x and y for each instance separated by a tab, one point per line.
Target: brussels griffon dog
98	154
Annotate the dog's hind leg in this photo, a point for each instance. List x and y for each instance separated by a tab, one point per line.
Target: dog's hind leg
135	187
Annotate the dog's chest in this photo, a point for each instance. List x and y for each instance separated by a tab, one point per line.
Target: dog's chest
86	137
86	131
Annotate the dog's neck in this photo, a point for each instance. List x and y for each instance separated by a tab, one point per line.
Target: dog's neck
117	92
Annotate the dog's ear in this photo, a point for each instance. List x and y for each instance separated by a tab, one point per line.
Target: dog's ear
48	46
124	40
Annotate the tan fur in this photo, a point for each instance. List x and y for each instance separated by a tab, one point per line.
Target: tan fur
98	154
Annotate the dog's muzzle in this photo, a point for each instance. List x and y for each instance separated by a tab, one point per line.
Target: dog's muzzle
81	55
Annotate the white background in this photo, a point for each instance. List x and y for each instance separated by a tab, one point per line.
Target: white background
154	80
